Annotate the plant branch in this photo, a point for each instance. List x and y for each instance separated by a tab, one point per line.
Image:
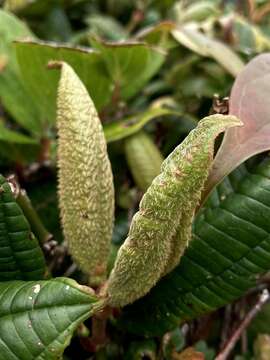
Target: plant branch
263	299
36	225
30	213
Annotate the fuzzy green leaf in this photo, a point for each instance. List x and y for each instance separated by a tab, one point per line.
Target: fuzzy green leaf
86	191
37	319
230	248
161	229
21	256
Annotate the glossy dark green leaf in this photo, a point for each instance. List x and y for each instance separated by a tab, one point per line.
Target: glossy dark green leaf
226	187
197	11
126	127
21	257
130	65
230	248
33	58
37	319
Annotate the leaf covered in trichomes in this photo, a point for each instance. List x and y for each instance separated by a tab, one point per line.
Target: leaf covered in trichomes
161	229
86	192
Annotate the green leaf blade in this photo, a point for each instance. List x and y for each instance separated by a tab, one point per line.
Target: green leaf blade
121	129
7	135
14	95
37	318
190	37
21	257
130	64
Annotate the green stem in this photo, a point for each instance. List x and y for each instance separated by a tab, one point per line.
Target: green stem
36	224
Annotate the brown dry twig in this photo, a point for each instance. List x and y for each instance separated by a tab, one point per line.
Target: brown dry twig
230	344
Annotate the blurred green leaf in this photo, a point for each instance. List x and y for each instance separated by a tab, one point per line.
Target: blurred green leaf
56	26
197	11
106	27
21	154
144	159
249	38
43	196
190	37
13	94
32	7
158	35
128	126
21	256
130	65
11	136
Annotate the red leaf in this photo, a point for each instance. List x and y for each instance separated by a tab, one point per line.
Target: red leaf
250	102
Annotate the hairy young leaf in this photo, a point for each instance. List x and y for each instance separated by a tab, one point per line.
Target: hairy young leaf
37	319
151	248
247	101
86	190
144	159
230	248
21	257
